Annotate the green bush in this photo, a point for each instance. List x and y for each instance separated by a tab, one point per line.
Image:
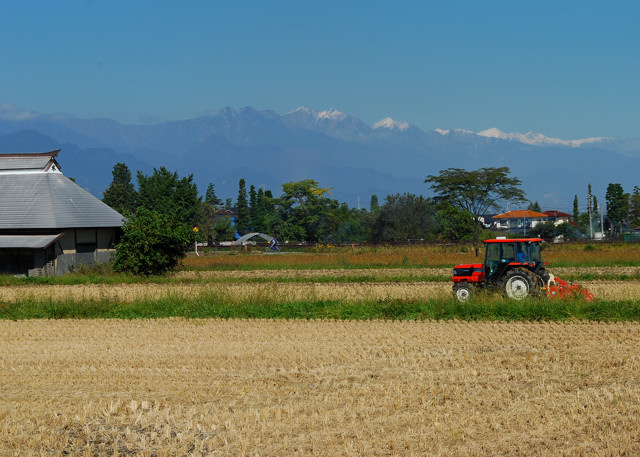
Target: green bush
151	244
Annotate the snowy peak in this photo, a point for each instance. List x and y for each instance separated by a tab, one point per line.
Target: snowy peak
454	132
309	114
331	122
331	114
494	133
390	124
537	139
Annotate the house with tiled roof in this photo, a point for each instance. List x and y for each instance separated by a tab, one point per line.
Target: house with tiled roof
49	224
558	217
519	219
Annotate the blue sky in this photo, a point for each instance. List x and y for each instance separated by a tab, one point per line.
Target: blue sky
568	69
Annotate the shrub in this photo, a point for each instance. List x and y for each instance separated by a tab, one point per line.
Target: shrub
151	243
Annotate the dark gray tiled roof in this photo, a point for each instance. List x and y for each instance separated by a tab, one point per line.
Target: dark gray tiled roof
19	163
28	241
50	201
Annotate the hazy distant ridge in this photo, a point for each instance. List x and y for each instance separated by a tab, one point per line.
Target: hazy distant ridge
330	146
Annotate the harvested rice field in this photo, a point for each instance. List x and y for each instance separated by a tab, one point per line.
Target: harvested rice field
526	379
296	387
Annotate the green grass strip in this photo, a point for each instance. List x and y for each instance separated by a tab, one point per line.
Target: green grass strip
438	309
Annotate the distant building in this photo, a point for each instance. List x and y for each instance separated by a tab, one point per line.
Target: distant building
49	224
519	219
558	217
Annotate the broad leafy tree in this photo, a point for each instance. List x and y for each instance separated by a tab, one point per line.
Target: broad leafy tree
476	191
549	230
405	217
152	243
120	195
455	224
352	225
223	229
306	210
168	194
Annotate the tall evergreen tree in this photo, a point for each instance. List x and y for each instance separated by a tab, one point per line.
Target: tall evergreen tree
617	206
120	195
576	210
258	220
374	203
210	196
242	209
253	205
634	207
535	206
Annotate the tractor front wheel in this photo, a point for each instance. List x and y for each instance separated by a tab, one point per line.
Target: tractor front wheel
463	291
518	284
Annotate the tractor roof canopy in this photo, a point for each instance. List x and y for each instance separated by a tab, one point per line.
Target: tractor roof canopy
514	240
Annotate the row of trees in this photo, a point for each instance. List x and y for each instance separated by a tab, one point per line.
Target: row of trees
621	213
305	211
623	209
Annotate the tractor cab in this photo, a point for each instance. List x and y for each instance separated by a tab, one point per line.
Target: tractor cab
503	254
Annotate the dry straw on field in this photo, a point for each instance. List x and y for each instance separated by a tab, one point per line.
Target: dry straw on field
436	255
411	273
243	292
176	387
272	291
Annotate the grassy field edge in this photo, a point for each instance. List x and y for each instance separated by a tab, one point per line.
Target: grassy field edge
437	309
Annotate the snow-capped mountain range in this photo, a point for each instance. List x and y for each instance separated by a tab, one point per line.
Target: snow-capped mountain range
538	138
335	117
334	148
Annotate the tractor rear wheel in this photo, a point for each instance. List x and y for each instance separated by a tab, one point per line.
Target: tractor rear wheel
519	283
463	291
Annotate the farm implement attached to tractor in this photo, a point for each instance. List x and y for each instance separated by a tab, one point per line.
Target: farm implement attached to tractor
514	267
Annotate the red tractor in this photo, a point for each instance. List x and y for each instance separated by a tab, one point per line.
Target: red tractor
515	267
